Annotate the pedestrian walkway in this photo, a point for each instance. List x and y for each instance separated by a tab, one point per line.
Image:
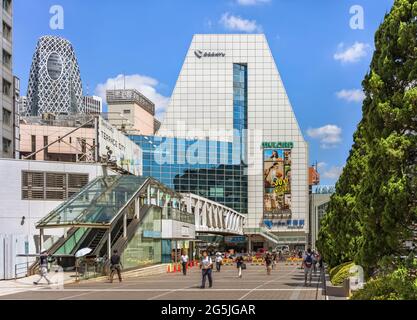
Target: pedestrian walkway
285	283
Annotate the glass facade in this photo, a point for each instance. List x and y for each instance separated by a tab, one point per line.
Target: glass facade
213	171
145	248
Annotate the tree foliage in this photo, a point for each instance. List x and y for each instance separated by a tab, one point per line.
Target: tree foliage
374	208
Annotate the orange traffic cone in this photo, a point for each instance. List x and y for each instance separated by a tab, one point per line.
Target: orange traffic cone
175	268
169	268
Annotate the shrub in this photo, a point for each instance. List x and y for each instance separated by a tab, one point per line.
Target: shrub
399	285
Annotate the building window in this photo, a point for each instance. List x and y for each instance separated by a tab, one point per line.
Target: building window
7	59
7	6
7	146
51	186
7	88
126	111
7	117
7	32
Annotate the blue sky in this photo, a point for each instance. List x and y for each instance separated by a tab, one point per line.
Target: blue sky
322	61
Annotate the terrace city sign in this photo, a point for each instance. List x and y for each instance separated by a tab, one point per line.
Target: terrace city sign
202	54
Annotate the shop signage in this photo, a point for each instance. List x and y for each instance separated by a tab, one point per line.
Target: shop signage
290	224
205	54
114	146
235	239
278	145
151	234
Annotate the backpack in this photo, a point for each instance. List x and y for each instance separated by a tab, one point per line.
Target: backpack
308	260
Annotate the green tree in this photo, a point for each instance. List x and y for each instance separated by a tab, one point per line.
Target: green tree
374	208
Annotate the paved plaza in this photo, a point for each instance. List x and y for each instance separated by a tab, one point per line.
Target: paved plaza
285	283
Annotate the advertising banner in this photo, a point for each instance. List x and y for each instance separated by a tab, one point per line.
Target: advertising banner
115	147
277	184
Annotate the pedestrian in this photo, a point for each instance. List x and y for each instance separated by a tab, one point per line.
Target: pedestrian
268	263
184	262
115	266
239	265
314	262
43	268
219	261
274	259
320	259
206	266
308	267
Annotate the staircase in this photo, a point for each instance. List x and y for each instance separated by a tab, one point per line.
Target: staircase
263	233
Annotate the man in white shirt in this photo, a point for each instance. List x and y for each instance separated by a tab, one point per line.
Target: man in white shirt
184	261
206	266
219	261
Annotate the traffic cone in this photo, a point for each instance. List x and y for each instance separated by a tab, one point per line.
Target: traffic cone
175	268
169	269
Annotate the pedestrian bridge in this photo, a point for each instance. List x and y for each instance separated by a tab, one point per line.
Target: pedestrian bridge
212	217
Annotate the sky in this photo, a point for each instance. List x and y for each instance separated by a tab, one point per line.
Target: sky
322	60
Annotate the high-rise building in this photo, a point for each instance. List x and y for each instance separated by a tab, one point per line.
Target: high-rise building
6	77
54	81
23	105
92	105
16	117
131	112
231	102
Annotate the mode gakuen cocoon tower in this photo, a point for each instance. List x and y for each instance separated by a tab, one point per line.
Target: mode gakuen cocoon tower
229	90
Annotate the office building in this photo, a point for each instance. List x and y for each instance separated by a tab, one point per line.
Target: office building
6	77
92	105
54	82
131	112
229	105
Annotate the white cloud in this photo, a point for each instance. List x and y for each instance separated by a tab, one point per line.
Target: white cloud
353	53
329	135
321	165
354	95
144	84
251	2
236	23
332	173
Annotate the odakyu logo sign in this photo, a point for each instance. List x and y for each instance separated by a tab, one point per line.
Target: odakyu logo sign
206	54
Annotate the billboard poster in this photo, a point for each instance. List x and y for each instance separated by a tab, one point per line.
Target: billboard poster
115	147
277	184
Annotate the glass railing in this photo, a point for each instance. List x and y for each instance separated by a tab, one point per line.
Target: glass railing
178	215
98	203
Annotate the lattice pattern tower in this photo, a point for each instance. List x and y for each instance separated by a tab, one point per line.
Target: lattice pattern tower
54	81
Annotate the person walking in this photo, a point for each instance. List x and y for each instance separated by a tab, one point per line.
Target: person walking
239	265
268	263
308	267
184	262
219	261
274	259
115	266
206	266
43	268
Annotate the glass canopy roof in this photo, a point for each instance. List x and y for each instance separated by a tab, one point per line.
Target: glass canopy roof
97	204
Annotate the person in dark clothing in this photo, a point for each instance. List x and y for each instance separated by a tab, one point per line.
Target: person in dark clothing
239	265
115	266
43	268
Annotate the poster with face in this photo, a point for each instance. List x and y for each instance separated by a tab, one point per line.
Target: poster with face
277	183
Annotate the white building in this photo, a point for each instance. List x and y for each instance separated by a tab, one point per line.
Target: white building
231	82
92	105
34	189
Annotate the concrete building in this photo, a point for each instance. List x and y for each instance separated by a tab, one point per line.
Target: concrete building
34	189
93	105
6	77
319	202
230	90
131	112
